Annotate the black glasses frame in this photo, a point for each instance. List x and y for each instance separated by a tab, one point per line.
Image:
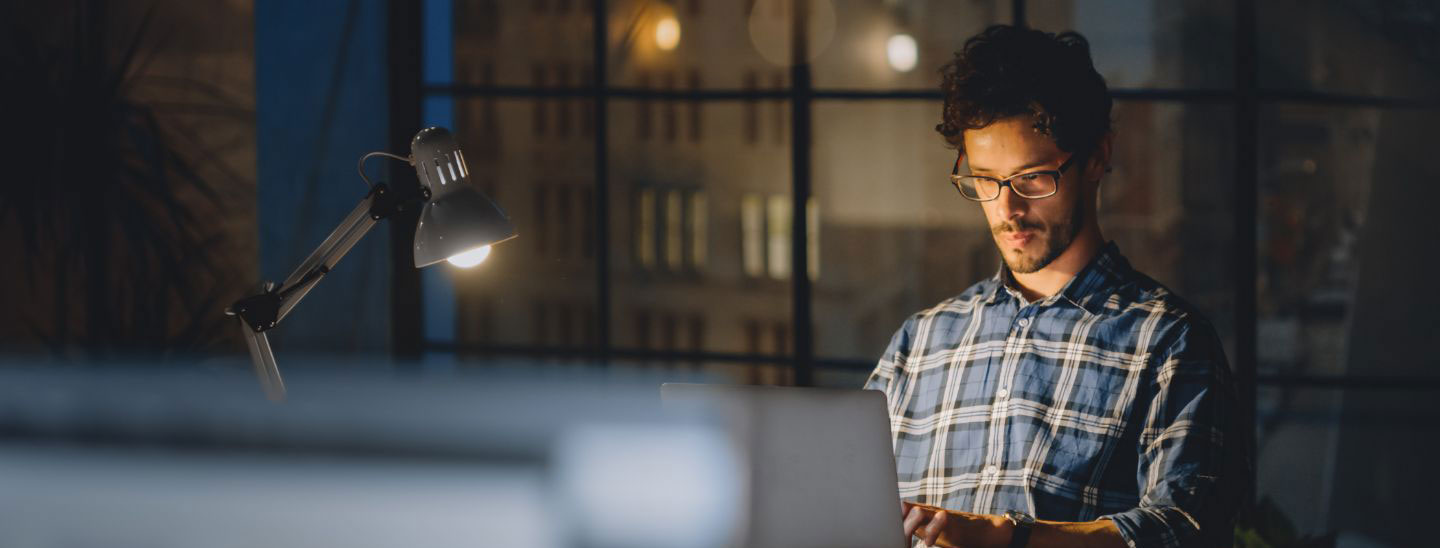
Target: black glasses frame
955	178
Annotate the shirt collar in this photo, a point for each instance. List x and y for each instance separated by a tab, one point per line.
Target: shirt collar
1088	290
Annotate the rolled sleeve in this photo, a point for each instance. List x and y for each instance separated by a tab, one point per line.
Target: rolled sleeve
1192	459
888	375
1149	526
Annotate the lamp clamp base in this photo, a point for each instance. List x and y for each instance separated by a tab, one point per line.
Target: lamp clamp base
260	312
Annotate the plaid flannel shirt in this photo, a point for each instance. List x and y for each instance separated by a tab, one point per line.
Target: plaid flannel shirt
1110	399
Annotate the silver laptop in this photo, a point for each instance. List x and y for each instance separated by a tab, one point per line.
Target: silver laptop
822	468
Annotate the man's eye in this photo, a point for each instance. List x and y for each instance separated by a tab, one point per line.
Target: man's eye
1029	177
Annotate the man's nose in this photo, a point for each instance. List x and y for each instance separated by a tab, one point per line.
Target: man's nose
1009	204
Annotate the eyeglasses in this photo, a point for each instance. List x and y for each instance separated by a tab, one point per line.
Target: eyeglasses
1033	185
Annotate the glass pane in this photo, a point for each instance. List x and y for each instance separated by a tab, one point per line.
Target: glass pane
691	44
1361	48
700	226
843	377
1343	193
1328	458
896	237
898	45
540	288
1169	202
1151	43
541	43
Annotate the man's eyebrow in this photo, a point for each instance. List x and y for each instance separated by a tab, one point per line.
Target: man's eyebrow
1019	170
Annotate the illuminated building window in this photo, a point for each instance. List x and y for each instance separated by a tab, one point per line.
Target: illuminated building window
777	228
765	224
674	230
752	237
645	229
699	230
670	229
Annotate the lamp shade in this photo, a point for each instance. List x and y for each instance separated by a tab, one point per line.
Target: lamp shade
458	218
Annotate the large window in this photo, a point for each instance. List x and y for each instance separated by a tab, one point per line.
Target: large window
697	188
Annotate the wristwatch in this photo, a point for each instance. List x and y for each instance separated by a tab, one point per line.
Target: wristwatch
1023	523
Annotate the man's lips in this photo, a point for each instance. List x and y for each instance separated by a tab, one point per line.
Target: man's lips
1019	237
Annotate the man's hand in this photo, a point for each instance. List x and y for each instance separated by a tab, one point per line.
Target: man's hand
939	527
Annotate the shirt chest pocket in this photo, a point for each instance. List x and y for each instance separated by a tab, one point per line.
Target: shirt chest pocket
1086	407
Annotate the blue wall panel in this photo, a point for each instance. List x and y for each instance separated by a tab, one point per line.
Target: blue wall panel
321	102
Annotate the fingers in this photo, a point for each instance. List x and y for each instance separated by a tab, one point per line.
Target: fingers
913	520
931	532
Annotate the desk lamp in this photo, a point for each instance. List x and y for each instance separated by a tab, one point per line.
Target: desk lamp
458	224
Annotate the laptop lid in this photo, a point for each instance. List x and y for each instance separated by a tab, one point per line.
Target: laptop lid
822	467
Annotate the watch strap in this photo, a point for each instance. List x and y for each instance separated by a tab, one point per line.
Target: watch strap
1023	525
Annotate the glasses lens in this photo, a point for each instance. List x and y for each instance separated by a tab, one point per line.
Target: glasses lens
977	188
1034	185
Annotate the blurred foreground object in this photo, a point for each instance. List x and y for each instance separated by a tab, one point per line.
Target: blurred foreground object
154	458
458	223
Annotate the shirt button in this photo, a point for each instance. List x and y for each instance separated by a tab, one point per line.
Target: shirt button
991	470
1024	322
1002	393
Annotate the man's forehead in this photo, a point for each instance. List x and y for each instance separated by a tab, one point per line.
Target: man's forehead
1005	131
1010	138
1003	152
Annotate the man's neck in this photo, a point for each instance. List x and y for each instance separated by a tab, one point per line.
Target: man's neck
1051	279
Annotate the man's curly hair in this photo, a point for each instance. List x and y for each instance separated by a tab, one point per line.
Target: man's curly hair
1008	71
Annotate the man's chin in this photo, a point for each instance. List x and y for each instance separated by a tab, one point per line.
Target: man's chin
1019	262
1024	261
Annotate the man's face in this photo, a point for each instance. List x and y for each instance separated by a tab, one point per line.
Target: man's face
1029	233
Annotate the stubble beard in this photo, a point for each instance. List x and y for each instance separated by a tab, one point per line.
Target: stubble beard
1056	239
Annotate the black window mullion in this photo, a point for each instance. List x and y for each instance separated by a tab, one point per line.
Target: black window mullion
800	104
599	85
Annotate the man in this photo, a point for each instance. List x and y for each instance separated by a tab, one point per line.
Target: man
1068	400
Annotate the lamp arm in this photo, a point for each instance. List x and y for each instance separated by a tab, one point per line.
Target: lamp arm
323	259
262	312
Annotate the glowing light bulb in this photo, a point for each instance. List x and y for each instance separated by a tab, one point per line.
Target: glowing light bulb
901	52
667	33
467	259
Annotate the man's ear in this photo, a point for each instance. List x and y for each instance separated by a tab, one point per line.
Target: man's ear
1099	163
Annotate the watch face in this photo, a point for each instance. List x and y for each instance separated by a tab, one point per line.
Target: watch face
1019	518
